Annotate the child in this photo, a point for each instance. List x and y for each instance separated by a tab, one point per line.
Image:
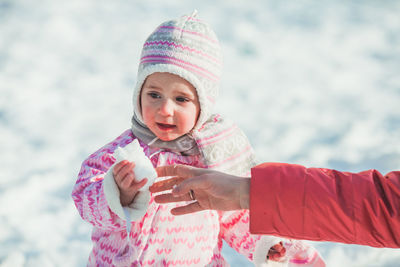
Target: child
177	85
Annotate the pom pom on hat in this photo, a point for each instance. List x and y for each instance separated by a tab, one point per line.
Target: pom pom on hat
186	47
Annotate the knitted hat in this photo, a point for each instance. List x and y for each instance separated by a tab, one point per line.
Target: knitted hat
186	47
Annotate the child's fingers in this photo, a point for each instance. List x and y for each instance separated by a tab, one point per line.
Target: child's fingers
124	170
282	252
278	247
128	168
121	168
275	255
126	181
137	185
117	168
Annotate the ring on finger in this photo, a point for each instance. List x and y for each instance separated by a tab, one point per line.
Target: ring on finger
191	194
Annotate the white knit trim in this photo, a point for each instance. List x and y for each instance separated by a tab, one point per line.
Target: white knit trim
188	76
261	252
136	210
143	169
112	194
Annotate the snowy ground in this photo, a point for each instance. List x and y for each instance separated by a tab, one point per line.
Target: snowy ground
310	82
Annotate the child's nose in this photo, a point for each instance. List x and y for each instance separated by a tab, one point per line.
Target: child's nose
167	108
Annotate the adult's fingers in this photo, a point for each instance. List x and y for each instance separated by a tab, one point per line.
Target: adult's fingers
183	171
198	183
168	198
190	208
165	184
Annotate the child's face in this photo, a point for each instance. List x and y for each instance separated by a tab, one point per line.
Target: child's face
169	104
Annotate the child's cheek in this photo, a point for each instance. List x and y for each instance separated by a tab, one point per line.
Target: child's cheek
146	114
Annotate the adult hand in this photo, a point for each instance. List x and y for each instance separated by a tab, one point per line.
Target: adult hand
210	189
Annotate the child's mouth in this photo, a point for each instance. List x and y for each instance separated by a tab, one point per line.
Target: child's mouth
165	127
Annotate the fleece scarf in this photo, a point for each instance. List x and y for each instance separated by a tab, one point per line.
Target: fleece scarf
222	144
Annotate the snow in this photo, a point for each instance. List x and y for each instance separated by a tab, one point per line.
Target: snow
310	82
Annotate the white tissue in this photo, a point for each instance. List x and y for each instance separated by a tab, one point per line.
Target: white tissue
133	152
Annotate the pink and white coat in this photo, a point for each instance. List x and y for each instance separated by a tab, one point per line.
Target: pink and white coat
159	238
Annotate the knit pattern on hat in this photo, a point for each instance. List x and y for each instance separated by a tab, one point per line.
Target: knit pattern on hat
186	47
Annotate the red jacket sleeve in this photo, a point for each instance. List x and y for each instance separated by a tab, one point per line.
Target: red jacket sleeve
317	204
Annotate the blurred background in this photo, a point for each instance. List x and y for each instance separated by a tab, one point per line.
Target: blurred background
310	82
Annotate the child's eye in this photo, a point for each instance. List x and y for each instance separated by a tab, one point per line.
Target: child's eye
182	99
153	95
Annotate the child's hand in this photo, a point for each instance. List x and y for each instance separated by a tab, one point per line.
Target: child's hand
277	252
125	179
